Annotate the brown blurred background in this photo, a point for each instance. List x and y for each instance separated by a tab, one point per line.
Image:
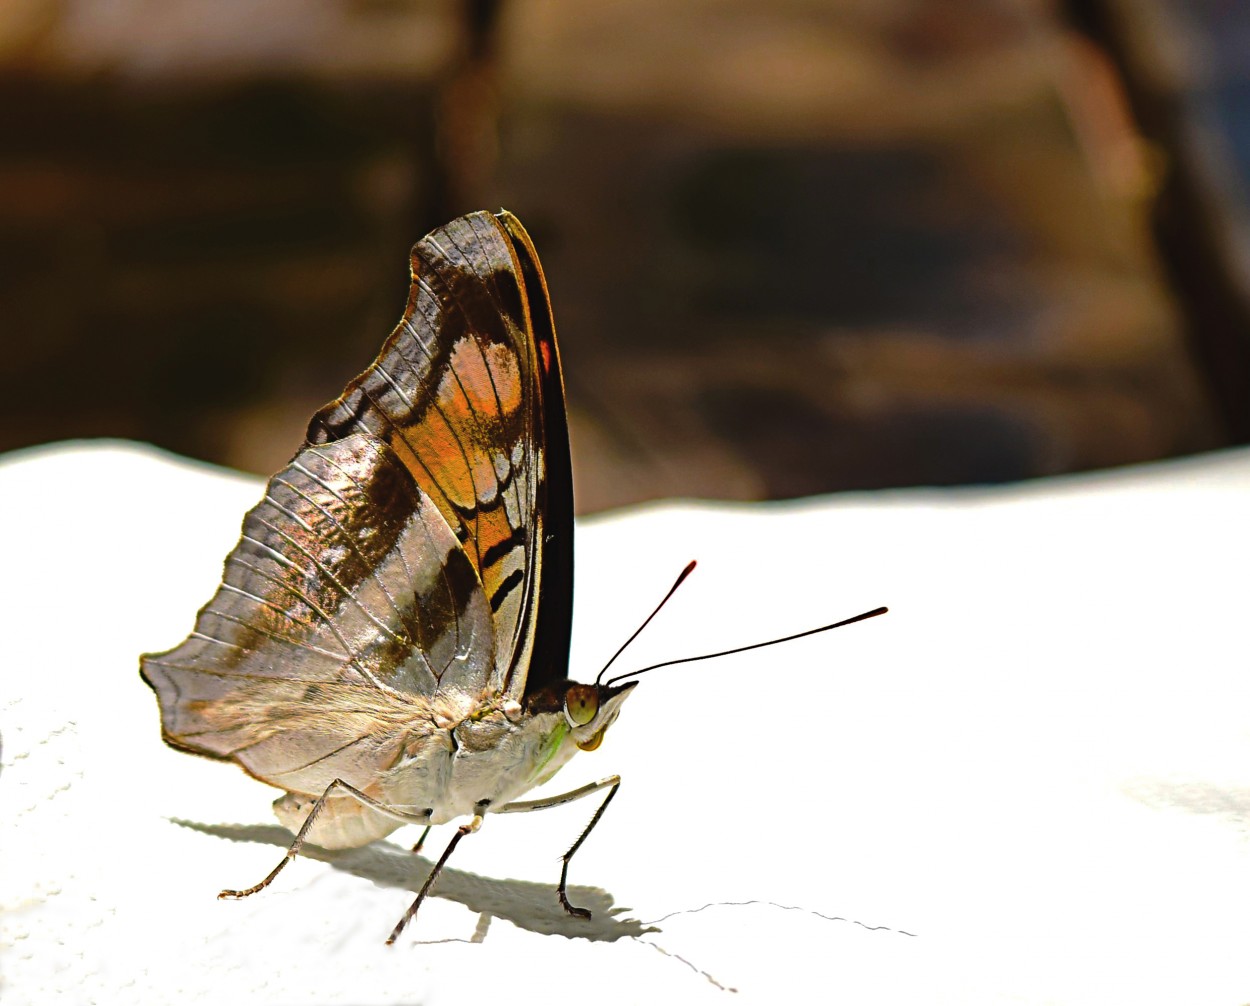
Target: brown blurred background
793	247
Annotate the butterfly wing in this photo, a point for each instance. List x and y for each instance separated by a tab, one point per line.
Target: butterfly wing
468	392
346	598
391	573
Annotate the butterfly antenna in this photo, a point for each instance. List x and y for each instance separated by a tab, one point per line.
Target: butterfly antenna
752	646
671	591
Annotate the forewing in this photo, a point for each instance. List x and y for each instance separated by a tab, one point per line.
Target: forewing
467	393
347	606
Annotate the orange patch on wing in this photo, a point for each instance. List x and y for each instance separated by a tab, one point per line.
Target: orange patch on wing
474	406
491	377
459	449
440	468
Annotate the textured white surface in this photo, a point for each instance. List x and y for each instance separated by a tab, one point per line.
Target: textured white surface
1038	763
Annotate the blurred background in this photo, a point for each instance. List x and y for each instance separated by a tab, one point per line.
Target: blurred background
793	247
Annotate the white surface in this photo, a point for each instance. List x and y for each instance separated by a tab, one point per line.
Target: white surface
1038	763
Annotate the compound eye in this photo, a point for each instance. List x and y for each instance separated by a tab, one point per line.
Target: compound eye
581	704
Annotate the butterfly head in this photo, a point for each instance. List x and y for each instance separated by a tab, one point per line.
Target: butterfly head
590	709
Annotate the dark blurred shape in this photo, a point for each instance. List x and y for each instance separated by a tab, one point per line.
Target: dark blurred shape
1186	70
170	258
467	113
774	249
935	446
205	213
792	248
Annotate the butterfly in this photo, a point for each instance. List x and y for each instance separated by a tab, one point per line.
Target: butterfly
390	641
389	644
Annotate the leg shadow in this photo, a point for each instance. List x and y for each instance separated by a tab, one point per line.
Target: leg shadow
524	903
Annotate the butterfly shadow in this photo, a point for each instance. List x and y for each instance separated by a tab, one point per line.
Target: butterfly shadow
524	903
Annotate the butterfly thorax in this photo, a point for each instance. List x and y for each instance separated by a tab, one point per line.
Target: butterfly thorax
503	751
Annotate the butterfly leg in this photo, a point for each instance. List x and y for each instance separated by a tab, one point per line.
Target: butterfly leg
302	835
464	829
421	840
522	806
